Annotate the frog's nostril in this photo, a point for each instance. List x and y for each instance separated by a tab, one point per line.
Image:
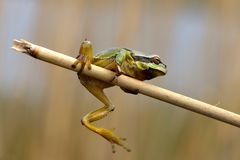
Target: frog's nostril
165	66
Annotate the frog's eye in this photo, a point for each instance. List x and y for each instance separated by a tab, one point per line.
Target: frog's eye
156	60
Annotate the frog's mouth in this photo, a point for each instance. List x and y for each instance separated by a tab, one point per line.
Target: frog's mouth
161	68
151	73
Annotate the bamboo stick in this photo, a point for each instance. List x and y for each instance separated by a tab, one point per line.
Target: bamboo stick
185	102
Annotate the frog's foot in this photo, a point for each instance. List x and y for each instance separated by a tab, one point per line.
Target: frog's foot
83	60
105	133
118	72
113	139
74	65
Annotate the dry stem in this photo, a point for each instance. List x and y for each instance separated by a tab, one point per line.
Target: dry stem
129	83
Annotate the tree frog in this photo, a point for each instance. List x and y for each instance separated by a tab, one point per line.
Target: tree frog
122	61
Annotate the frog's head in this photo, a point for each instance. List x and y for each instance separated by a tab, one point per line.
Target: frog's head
151	66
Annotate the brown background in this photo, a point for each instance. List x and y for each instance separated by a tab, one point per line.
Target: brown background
41	104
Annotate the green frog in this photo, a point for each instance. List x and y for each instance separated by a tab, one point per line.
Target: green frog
125	61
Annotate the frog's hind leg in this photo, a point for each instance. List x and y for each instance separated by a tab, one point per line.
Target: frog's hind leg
99	114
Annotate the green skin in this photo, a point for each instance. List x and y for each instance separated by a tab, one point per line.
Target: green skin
122	61
131	63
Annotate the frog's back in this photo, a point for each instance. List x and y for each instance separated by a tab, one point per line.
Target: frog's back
106	58
108	53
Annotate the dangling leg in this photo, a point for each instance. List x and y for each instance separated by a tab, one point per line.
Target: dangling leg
99	114
85	58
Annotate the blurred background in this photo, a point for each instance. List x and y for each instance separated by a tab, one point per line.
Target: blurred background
41	104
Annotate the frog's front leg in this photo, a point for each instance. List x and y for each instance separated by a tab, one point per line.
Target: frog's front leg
99	114
85	55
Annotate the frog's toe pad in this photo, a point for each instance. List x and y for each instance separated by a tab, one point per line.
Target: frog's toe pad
74	65
124	147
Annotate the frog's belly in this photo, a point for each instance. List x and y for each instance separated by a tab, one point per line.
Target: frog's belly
89	81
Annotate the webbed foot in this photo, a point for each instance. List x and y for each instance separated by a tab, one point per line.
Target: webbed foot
105	133
113	139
